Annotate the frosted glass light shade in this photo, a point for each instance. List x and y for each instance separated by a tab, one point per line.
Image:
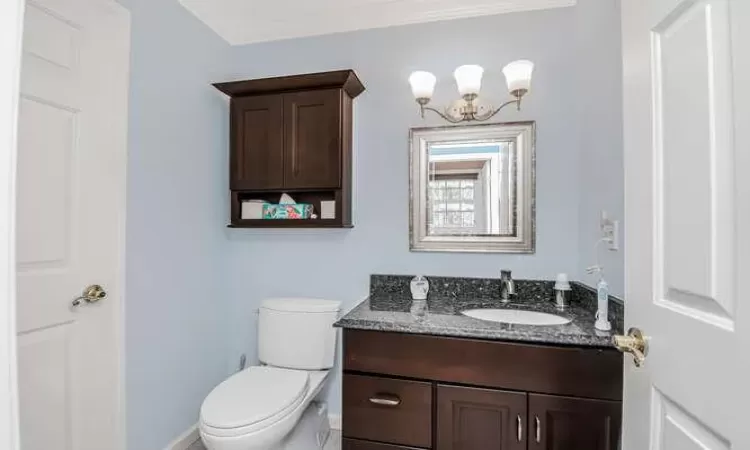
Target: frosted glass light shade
469	79
518	75
422	84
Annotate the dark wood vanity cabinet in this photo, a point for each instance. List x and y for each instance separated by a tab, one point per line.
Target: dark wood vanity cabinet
292	135
403	391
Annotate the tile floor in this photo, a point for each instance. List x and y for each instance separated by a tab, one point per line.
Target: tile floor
334	442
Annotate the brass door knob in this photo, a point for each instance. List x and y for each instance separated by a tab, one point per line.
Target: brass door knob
91	294
634	343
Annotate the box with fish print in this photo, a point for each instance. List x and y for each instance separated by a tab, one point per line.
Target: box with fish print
287	211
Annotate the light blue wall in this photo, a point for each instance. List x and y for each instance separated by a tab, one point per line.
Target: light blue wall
337	263
600	111
176	306
193	287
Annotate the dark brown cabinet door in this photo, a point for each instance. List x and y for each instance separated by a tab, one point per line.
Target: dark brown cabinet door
566	423
257	159
312	139
354	444
480	419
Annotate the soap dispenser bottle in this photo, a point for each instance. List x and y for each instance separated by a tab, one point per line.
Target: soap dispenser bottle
602	298
419	289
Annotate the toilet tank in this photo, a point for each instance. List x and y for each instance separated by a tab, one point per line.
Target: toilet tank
297	333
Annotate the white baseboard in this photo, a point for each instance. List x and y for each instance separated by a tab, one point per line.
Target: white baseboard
185	440
335	421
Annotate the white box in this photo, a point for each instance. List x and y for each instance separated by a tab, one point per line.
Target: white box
327	209
252	210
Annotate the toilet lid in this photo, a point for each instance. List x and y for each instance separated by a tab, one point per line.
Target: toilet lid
252	396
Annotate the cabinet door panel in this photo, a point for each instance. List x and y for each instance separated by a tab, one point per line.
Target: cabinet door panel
354	444
312	139
257	158
480	419
566	423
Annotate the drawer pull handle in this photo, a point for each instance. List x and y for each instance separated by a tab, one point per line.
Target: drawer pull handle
519	425
538	429
385	400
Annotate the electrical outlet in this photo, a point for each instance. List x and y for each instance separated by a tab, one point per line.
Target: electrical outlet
614	235
610	231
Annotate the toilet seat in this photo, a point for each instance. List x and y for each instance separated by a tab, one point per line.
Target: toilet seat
252	400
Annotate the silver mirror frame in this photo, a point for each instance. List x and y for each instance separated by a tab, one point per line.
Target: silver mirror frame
524	136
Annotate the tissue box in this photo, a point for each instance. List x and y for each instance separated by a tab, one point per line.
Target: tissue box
287	211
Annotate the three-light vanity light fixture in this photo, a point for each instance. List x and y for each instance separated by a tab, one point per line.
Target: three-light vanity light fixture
469	81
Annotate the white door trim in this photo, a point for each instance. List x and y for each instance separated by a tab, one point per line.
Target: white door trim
11	29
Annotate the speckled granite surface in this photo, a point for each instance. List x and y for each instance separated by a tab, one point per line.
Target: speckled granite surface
397	287
389	308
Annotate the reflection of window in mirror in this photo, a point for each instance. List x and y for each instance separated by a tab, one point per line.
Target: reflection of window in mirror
469	189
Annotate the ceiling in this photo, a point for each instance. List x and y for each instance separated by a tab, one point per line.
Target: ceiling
248	21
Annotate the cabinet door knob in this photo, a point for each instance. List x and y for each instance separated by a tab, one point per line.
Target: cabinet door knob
385	400
538	425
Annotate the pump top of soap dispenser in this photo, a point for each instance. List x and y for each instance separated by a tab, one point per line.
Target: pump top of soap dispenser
562	283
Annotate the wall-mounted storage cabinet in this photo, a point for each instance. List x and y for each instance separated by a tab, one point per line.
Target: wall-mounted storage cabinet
292	135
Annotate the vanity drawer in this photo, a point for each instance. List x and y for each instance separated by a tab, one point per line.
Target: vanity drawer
576	372
353	444
387	410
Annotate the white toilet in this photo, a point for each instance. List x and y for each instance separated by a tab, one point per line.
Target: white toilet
260	408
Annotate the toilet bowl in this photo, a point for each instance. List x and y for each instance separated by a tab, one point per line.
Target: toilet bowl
270	406
257	408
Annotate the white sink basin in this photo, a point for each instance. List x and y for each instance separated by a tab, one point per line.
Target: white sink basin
516	316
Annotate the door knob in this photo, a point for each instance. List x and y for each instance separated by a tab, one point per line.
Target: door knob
91	294
634	343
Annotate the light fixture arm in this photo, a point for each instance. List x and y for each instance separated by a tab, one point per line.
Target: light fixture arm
492	113
470	112
450	119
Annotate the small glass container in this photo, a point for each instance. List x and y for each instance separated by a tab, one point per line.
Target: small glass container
562	299
562	292
419	309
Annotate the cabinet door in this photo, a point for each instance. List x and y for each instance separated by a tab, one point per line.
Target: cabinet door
257	157
354	444
480	419
312	139
566	423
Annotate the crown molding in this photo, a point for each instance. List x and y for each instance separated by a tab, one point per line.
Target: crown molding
242	22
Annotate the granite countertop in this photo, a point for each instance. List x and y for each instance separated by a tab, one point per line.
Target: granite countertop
443	318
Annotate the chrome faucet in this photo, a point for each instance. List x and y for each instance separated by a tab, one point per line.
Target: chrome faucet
507	286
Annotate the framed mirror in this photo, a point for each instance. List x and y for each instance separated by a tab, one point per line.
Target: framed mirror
473	188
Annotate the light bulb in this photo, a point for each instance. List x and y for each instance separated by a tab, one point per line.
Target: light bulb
518	75
469	79
422	84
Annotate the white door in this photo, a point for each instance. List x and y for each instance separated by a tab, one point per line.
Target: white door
687	175
70	223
